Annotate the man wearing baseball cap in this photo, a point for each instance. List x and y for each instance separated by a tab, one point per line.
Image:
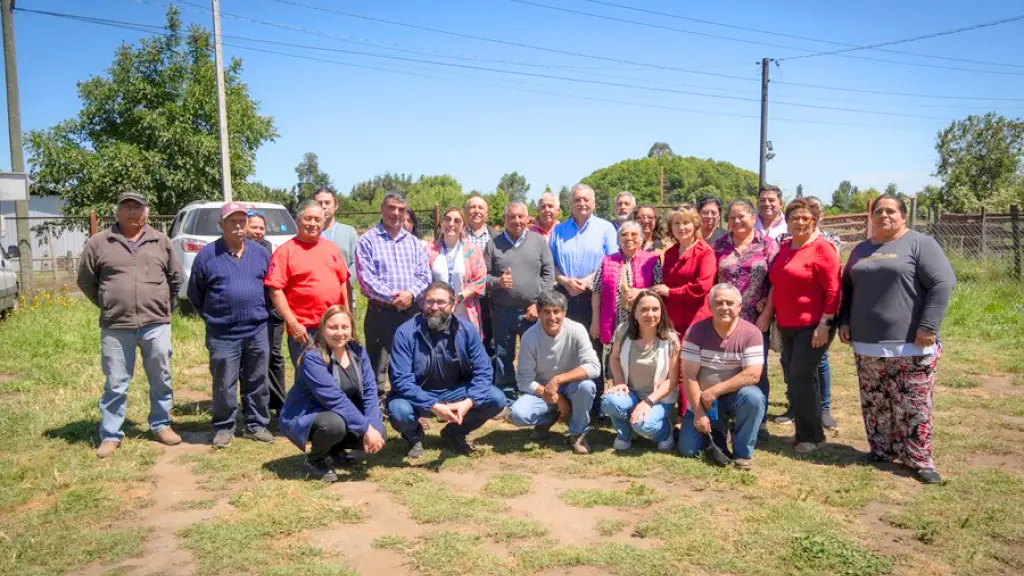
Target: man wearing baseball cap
226	289
131	273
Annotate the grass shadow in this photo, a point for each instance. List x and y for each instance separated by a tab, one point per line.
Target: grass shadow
196	408
517	441
832	454
86	432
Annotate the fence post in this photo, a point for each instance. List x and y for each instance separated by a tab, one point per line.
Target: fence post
937	232
984	233
1015	229
94	223
913	212
53	253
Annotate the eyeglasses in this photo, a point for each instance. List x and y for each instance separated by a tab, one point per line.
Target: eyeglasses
436	303
800	219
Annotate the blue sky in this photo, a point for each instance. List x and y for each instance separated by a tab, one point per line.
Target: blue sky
423	118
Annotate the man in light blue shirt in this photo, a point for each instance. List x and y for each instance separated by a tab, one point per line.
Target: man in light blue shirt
344	236
577	246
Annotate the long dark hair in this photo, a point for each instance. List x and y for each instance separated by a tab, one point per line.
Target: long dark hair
319	343
666	331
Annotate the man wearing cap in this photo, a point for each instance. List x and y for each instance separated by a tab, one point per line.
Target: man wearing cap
307	275
130	272
226	289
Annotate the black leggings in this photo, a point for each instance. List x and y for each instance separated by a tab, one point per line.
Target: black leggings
330	433
800	364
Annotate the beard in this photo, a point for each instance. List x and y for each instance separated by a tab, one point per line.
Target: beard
437	321
623	217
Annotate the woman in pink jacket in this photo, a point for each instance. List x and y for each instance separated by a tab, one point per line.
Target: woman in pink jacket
620	279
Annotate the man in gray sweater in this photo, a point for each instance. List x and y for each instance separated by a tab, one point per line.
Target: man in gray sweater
519	268
133	275
556	371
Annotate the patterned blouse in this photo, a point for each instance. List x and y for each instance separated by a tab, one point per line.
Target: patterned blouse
625	283
748	271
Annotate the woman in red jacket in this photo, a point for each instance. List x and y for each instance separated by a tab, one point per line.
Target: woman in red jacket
688	272
805	299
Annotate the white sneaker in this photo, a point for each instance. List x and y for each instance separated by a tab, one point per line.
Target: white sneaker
621	444
666	445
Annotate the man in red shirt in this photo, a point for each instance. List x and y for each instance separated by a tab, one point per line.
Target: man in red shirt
306	277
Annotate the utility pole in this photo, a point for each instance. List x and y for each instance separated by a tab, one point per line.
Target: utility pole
14	133
763	173
222	107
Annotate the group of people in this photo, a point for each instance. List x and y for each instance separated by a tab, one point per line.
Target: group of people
687	318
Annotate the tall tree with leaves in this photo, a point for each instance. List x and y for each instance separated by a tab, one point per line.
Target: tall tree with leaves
310	177
515	185
367	191
981	162
564	200
842	195
659	150
150	124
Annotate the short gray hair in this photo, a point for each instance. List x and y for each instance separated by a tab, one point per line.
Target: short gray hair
625	193
581	187
551	195
396	196
630	225
741	202
722	286
472	196
552	299
517	204
306	205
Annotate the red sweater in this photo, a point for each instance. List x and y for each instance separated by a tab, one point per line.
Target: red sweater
805	283
689	279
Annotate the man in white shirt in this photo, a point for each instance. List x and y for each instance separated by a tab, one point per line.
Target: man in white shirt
769	216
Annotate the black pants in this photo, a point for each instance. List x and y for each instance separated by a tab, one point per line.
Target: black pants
330	434
581	311
275	368
487	326
379	327
800	363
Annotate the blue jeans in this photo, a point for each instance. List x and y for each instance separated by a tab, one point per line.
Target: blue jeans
745	407
405	417
508	323
295	349
657	426
117	358
248	358
825	383
531	410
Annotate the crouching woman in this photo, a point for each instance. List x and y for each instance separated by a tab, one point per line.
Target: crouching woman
334	403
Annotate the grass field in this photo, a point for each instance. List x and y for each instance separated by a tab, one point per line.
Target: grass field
513	507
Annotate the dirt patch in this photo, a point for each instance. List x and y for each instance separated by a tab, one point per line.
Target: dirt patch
1006	462
190	395
578	571
5	378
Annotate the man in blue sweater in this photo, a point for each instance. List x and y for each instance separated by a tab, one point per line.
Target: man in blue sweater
226	289
439	366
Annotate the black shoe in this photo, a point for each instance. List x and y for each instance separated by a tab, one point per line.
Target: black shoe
318	470
762	433
340	459
415	450
828	421
929	476
455	443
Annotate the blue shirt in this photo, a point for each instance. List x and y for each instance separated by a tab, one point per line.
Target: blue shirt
578	251
228	292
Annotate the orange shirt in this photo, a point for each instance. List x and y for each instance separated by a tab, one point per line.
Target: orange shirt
313	277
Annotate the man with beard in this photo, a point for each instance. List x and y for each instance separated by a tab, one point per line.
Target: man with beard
226	289
255	230
625	204
439	366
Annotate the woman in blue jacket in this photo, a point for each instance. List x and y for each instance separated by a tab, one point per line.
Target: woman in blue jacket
334	402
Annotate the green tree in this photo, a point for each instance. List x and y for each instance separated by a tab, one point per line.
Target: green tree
659	150
496	206
981	162
842	195
929	197
859	201
368	191
150	124
311	177
260	192
564	200
515	185
443	191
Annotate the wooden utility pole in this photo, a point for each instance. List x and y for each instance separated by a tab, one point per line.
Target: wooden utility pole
222	106
763	172
17	151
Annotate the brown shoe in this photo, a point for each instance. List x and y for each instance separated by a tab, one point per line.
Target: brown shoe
167	437
107	448
579	444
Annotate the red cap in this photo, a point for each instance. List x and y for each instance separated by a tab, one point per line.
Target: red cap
232	207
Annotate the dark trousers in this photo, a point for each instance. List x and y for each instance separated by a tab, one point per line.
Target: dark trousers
824	385
275	365
242	359
580	311
509	323
295	349
379	326
405	417
330	434
800	362
763	383
487	326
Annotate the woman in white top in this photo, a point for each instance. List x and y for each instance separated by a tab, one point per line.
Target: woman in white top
644	362
460	264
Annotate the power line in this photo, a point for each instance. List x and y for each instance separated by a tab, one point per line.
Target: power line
795	36
841	53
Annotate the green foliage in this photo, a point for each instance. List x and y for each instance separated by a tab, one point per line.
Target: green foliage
311	178
151	125
260	192
684	176
515	185
660	150
842	196
635	496
831	554
376	187
981	163
507	485
564	201
860	200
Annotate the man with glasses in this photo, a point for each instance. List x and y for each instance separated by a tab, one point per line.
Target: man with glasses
439	366
226	289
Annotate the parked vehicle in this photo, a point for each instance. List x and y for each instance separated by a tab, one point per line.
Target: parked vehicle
9	285
196	225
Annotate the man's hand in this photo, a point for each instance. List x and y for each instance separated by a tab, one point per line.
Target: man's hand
461	408
564	408
551	394
616	389
924	338
372	441
298	332
505	280
702	423
707	397
444	412
402	300
760	305
661	290
531	313
575	286
820	336
631	295
639	413
844	333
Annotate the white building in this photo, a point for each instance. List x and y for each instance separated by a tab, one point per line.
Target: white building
68	237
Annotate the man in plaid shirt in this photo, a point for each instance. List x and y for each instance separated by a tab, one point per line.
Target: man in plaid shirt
393	272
